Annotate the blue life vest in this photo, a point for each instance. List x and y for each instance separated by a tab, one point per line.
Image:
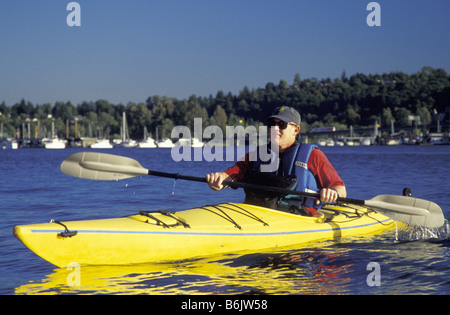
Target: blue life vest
295	162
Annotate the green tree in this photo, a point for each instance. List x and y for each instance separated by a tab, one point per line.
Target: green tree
103	106
64	111
284	85
425	116
297	81
352	117
139	116
402	116
387	117
22	109
191	110
220	117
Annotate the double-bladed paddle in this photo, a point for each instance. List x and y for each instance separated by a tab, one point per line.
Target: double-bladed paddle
101	166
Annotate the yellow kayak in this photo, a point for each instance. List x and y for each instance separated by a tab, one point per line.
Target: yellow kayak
162	236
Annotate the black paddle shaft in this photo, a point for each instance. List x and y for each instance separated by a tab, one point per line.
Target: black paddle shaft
280	191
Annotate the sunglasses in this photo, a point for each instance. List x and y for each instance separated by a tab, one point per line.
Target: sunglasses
281	124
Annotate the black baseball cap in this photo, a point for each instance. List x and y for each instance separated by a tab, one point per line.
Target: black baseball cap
286	114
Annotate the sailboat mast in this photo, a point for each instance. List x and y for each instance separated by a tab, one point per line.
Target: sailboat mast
124	121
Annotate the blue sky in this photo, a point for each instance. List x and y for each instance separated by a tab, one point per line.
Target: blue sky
130	50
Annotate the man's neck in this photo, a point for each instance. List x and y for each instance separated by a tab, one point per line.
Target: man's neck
285	148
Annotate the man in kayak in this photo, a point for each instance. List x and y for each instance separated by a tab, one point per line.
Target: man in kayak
301	166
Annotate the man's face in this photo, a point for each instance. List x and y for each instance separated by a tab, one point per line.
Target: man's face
283	137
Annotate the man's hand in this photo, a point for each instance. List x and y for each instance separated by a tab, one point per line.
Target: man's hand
329	195
215	180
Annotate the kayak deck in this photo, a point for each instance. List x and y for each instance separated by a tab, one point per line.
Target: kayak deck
167	236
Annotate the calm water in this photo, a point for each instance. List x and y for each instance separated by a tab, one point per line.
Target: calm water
32	190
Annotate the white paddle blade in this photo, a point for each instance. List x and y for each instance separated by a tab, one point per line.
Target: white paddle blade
413	211
100	166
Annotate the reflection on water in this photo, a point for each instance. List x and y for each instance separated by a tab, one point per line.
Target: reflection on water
291	272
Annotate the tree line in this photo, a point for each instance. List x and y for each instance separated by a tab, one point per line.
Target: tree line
358	100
